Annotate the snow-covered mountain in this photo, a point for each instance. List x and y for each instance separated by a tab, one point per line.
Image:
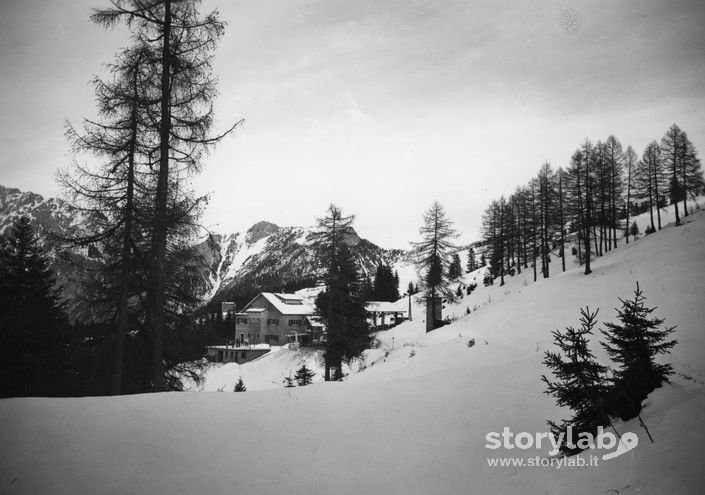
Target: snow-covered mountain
236	266
269	257
48	214
50	217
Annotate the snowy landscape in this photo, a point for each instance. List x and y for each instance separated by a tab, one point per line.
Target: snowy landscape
333	247
411	416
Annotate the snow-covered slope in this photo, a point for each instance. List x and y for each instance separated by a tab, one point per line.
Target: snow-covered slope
414	421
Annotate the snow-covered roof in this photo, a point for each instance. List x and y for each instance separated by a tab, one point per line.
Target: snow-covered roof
315	321
400	306
289	298
288	304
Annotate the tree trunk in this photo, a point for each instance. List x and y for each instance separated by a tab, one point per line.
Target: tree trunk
121	330
587	214
658	198
581	218
629	192
674	179
501	243
614	204
651	208
560	211
161	213
684	163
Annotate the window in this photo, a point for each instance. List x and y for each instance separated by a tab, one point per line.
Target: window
273	321
241	321
295	322
271	338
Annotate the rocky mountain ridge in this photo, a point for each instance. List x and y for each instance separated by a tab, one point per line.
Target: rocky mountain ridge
265	257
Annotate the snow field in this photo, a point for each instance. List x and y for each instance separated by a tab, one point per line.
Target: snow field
405	424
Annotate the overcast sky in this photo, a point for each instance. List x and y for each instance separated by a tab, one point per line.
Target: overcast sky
378	106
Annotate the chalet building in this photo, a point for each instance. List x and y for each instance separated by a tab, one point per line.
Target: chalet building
277	319
384	314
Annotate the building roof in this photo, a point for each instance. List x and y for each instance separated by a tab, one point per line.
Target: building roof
400	306
286	304
289	298
315	321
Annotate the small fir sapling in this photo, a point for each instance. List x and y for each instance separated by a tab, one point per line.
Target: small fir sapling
304	376
633	343
580	381
634	230
240	386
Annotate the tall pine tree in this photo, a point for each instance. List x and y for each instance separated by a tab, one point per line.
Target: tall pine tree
432	255
341	305
182	43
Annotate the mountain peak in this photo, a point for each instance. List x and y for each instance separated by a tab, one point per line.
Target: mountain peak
260	230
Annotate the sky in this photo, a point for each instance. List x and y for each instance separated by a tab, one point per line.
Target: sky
378	107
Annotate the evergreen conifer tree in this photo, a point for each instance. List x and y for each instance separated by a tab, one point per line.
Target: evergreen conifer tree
580	382
633	344
432	255
343	311
33	324
304	376
240	386
634	229
472	263
368	289
455	269
386	284
180	109
342	305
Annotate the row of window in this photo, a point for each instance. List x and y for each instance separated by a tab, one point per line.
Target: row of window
270	321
